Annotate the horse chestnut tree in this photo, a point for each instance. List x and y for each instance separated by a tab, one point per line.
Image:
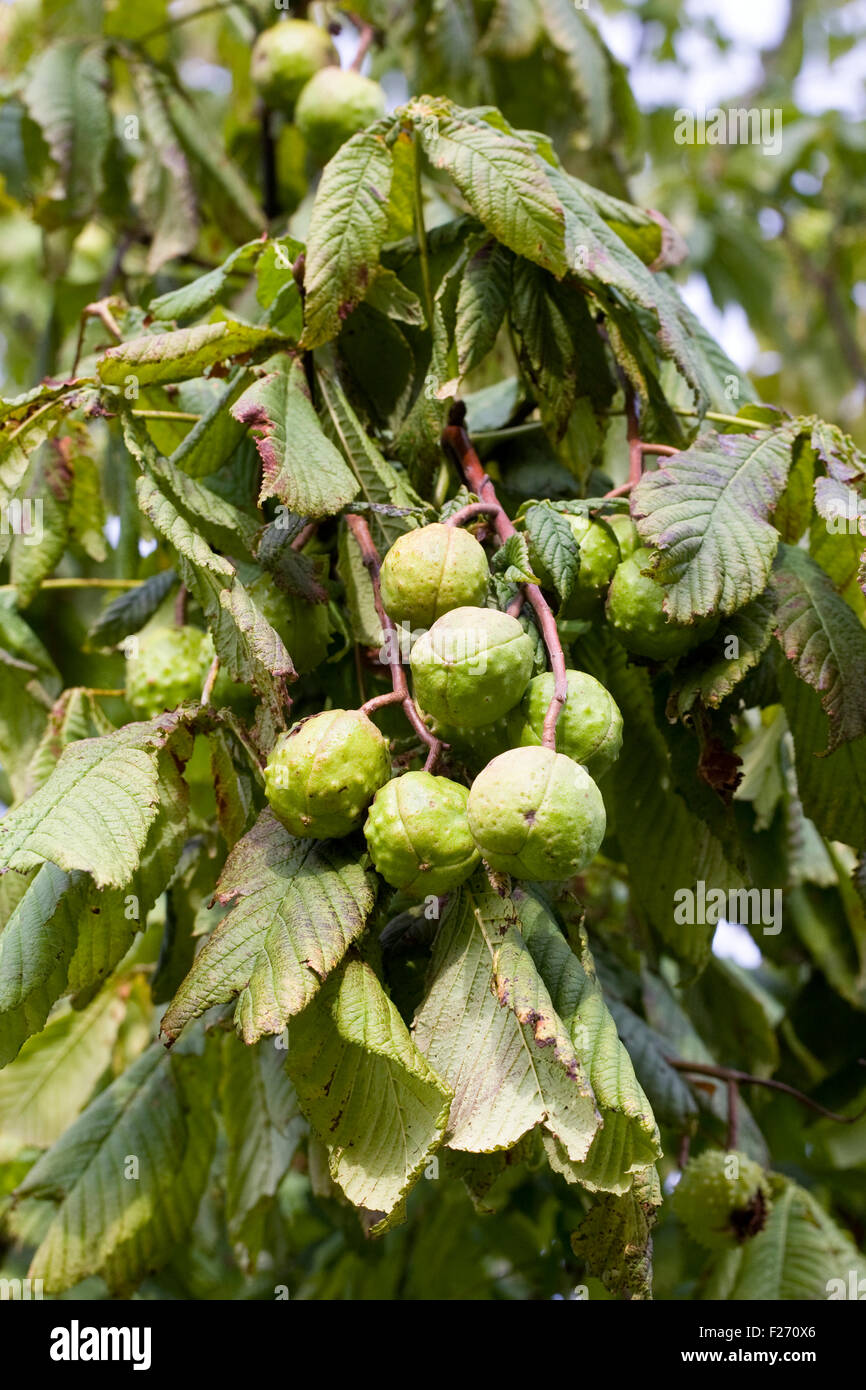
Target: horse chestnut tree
432	661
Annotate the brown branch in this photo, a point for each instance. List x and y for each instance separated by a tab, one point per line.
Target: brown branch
455	438
745	1078
622	491
370	556
180	607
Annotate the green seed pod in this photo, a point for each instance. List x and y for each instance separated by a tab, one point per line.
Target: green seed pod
722	1199
636	614
418	834
599	557
285	57
627	534
472	666
431	571
536	814
589	729
323	774
169	670
335	104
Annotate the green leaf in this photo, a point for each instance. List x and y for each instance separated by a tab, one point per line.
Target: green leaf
300	465
585	61
214	438
168	522
104	1218
347	230
360	595
719	665
615	1238
559	347
66	95
95	810
628	1140
664	844
498	1042
196	298
707	510
300	905
500	176
184	353
553	548
801	1255
367	1091
668	1091
219	182
263	1128
162	182
823	640
831	787
130	611
36	947
24	707
45	1087
395	300
485	290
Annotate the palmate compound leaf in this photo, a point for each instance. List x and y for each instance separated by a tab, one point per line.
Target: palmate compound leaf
499	174
824	641
66	936
348	227
300	465
800	1255
615	1237
263	1126
371	1096
629	1139
511	1065
707	510
100	1215
96	808
299	906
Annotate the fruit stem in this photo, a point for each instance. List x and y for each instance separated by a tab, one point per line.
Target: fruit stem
665	449
370	556
635	449
473	509
379	701
733	1115
745	1078
456	439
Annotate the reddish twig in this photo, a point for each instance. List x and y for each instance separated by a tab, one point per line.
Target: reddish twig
303	536
745	1078
474	509
379	701
665	449
370	556
456	439
622	491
